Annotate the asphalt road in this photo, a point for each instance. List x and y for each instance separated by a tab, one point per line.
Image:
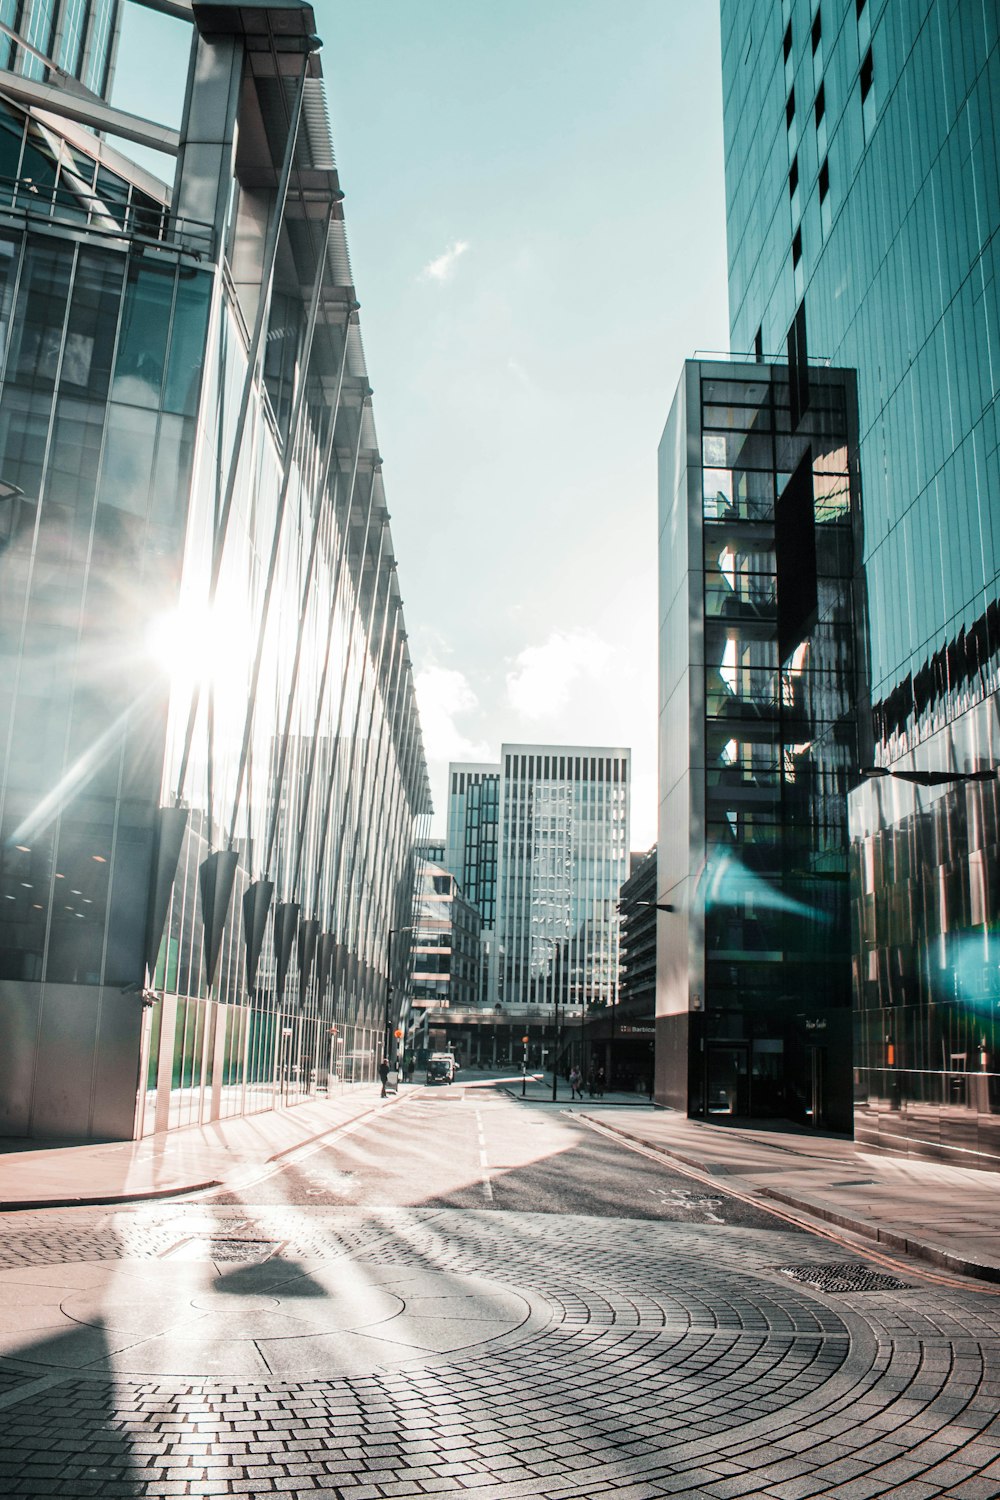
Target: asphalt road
475	1147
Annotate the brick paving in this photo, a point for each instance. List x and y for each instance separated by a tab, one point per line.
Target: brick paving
662	1359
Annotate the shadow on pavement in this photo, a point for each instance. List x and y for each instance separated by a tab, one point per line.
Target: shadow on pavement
62	1432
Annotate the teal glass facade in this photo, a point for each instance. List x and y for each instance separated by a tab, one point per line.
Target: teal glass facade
863	200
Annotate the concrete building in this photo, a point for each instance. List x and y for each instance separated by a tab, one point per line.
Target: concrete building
211	774
863	206
445	943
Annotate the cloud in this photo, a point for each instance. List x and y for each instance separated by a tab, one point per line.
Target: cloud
542	678
521	375
443	268
444	696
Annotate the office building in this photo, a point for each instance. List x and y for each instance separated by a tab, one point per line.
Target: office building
470	853
863	205
444	965
48	39
211	774
761	619
563	855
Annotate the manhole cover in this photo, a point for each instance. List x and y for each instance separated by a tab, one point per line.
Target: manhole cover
228	1250
845	1276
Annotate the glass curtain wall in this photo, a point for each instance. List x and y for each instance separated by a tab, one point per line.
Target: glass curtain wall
96	434
564	851
926	909
781	686
322	801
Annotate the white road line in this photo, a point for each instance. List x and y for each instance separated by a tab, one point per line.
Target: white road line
483	1159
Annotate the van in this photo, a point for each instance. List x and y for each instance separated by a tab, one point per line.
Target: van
441	1068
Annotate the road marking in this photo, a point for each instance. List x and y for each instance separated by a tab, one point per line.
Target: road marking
484	1159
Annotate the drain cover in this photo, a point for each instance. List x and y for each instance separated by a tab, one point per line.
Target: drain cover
844	1276
230	1250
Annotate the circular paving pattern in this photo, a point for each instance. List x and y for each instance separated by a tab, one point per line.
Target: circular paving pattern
508	1355
198	1318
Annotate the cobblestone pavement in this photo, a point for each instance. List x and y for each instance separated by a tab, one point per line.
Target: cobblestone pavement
523	1354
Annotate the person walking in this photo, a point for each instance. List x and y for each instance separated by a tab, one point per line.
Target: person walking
575	1082
410	1067
383	1073
600	1082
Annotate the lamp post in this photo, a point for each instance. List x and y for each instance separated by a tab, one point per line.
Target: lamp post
542	937
388	985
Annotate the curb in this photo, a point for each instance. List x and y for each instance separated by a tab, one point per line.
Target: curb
107	1200
330	1130
574	1103
919	1249
104	1200
947	1260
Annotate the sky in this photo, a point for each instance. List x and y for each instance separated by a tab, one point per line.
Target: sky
534	205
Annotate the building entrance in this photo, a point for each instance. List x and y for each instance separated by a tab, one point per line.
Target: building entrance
727	1079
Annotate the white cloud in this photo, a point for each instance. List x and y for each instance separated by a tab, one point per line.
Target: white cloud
444	696
543	678
443	268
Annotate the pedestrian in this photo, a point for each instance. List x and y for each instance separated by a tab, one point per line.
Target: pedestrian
383	1073
410	1066
575	1082
599	1083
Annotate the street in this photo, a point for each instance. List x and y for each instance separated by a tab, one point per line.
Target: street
467	1294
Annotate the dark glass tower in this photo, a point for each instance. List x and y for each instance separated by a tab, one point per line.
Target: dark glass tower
760	678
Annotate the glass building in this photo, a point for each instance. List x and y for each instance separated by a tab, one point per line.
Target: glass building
761	616
471	852
863	204
564	818
211	774
46	38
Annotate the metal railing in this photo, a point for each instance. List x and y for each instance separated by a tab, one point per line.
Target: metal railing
150	222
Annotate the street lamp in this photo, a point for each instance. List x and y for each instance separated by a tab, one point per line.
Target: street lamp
388	984
544	938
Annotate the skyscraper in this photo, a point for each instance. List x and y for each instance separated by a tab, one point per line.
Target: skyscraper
564	818
211	772
863	207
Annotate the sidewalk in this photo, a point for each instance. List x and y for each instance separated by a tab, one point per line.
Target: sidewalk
949	1216
538	1090
36	1174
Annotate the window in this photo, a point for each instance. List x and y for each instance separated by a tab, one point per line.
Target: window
793	177
860	6
758	345
797	246
817	31
824	180
866	75
820	104
786	45
790	108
